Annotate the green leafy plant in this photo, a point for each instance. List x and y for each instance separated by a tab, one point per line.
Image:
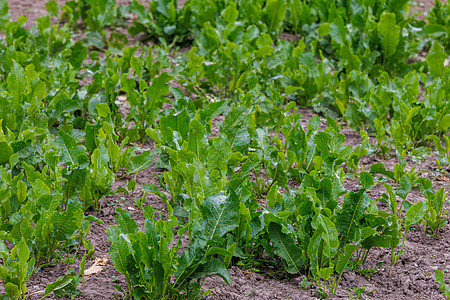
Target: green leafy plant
17	266
440	278
444	152
143	256
438	18
163	20
96	15
413	214
358	292
433	219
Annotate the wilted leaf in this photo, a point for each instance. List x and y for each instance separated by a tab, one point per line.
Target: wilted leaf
99	265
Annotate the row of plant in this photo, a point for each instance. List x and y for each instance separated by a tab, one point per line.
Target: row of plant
60	151
216	184
63	141
353	55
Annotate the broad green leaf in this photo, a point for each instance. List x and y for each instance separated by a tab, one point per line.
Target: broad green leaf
125	223
5	152
390	33
435	60
78	55
329	236
159	88
178	123
137	65
12	290
220	214
17	84
355	204
230	14
297	143
274	14
71	288
119	250
91	218
444	126
366	181
103	110
22	228
140	162
212	110
59	283
70	151
438	144
325	273
239	139
379	168
21	191
405	187
219	251
324	29
352	61
322	140
212	267
234	118
325	194
197	142
75	182
314	253
219	152
209	39
440	278
344	257
187	263
4	14
23	253
52	8
415	213
286	248
65	224
276	168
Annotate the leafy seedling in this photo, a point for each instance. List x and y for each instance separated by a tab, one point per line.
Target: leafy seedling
445	287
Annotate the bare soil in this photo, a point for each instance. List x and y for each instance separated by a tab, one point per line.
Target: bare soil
411	278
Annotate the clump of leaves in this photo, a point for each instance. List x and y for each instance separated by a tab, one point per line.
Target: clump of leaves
433	219
443	159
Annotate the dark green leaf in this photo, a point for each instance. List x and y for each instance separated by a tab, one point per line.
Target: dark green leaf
220	214
286	248
355	204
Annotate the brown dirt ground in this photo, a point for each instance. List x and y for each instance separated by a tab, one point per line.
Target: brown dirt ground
411	278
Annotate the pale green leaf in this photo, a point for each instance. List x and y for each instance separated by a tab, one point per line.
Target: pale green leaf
70	151
274	14
140	162
415	213
435	60
390	33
